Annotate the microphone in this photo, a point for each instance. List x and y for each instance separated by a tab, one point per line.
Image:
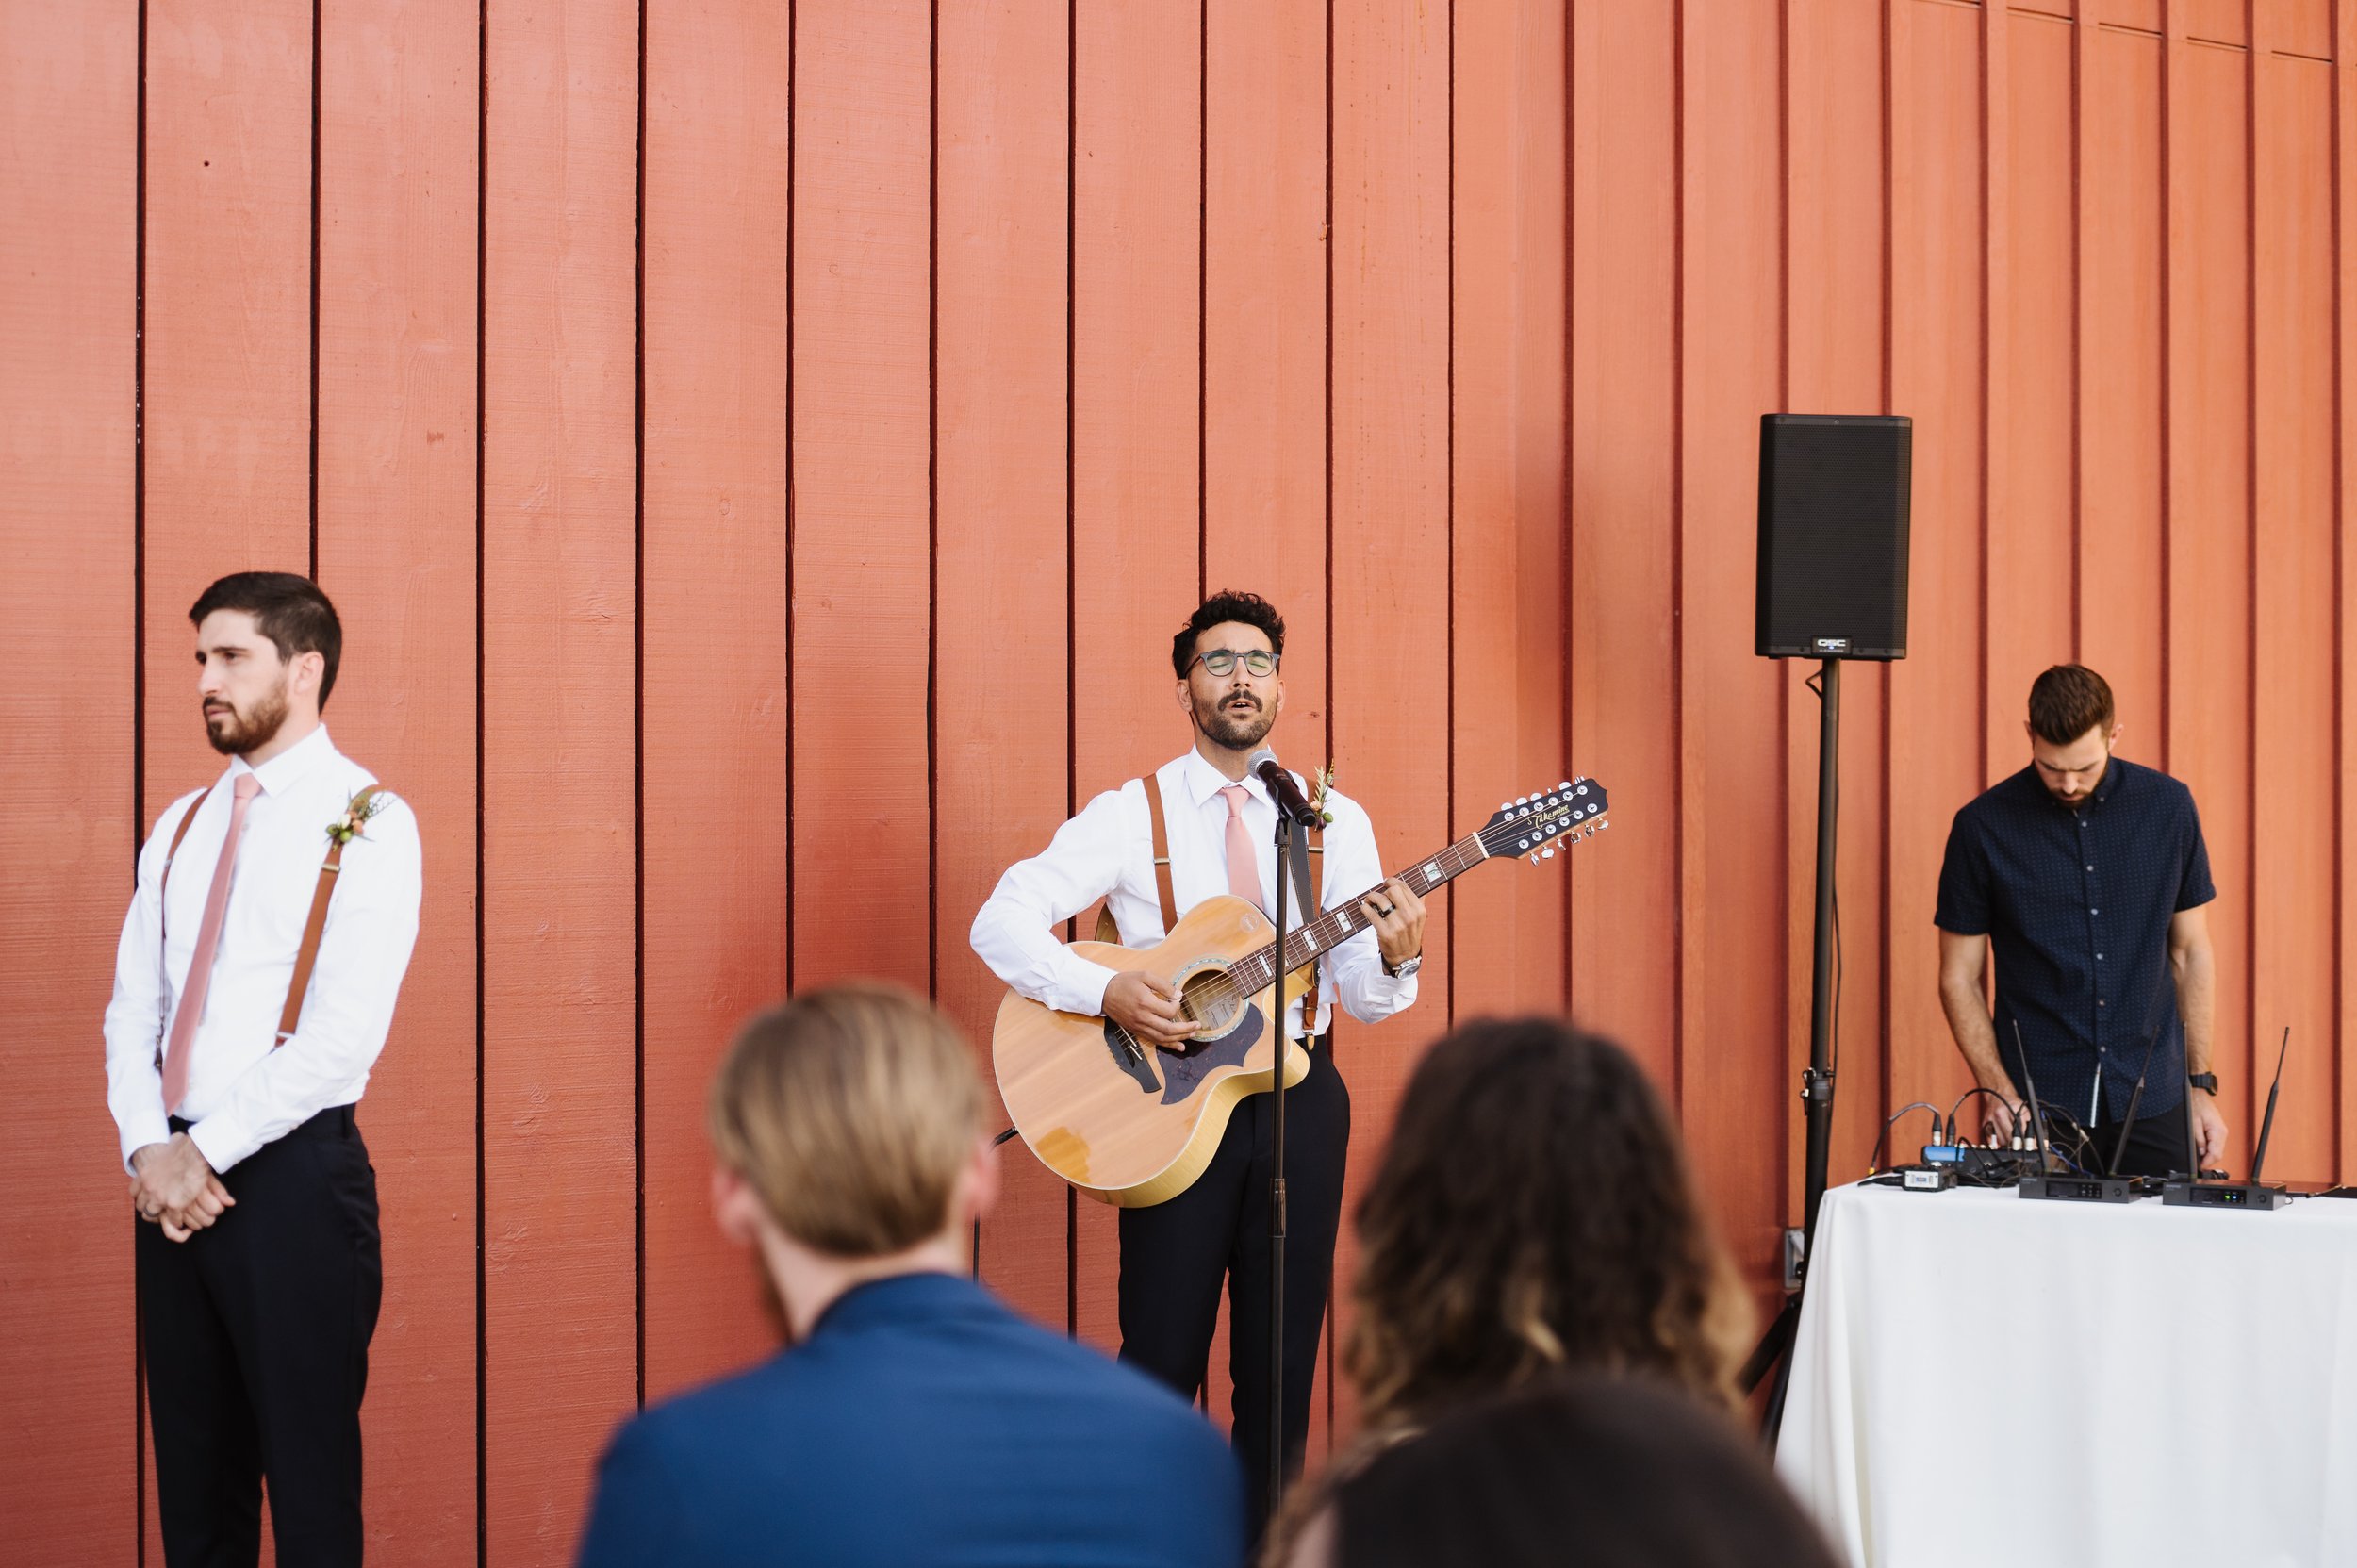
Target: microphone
1282	790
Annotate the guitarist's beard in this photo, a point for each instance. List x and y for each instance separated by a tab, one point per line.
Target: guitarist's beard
1236	733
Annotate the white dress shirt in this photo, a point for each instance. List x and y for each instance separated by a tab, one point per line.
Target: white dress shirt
1108	851
242	1094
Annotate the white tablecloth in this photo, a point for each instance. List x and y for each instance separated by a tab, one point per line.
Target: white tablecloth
1983	1380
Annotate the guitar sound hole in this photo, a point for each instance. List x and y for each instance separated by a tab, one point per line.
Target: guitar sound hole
1210	998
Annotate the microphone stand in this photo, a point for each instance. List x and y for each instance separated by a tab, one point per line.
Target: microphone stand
1277	1180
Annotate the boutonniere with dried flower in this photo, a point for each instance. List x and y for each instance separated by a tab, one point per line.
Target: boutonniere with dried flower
356	817
1320	787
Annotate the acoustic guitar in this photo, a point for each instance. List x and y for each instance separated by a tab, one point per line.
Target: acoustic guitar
1132	1124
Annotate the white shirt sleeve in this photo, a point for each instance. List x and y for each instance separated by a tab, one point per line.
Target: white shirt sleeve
1356	968
364	952
1015	933
135	1017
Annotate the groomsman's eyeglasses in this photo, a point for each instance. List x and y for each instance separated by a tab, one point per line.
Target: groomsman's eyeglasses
1222	661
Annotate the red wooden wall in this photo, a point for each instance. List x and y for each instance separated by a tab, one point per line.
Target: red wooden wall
760	449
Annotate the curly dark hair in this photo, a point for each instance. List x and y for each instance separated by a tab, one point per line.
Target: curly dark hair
1249	609
1534	1212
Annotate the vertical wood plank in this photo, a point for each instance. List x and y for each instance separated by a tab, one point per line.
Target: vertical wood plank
1835	304
1937	735
2122	463
2344	151
69	180
862	655
227	388
1264	454
1136	364
2294	653
1506	421
1623	558
2209	541
560	937
999	656
1731	890
713	729
1391	504
396	543
226	392
2033	524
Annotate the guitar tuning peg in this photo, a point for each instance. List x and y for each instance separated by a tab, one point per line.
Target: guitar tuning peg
1550	851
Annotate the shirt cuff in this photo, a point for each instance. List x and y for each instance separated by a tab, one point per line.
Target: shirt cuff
1083	987
142	1132
223	1140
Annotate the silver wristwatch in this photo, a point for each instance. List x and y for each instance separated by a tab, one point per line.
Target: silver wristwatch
1407	967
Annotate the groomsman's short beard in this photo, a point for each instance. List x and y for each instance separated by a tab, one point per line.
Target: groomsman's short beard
235	733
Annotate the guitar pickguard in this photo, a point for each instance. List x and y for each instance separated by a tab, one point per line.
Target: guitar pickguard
1183	1071
1130	1056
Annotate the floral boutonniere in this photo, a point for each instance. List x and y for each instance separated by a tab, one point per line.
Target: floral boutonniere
1320	787
356	817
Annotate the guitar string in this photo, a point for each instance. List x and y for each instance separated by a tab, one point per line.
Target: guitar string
1330	926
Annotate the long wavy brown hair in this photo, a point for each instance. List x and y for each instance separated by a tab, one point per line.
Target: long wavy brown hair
1534	1212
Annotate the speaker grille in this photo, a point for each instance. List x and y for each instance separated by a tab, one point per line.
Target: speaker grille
1833	535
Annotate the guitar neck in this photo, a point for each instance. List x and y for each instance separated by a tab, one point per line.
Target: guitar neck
1257	970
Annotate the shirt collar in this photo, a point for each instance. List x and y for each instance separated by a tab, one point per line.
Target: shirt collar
291	766
1203	781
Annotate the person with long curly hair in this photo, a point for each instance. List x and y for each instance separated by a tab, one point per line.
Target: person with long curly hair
1533	1217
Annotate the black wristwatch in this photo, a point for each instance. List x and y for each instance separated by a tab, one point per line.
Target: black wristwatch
2206	1082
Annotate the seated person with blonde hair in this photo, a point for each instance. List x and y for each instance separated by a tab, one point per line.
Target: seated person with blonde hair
912	1419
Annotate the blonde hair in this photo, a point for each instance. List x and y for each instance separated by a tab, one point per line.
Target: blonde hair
850	1112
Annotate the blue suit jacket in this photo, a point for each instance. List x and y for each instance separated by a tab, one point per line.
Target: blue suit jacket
922	1423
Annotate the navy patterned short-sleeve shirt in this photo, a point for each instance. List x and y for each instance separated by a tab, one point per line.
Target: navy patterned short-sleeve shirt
2076	906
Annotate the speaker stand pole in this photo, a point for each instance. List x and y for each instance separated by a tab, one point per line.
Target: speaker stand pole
1776	1346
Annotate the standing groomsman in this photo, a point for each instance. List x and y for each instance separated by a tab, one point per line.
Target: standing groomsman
252	992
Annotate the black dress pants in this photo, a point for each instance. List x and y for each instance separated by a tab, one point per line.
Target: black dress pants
257	1337
1174	1256
2156	1145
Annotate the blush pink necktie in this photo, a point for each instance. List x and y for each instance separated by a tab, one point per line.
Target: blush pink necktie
200	978
1244	870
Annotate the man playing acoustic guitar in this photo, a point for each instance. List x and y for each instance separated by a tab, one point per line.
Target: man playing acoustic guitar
1220	827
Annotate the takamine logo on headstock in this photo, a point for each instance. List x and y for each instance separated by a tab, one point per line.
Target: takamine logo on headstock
1531	824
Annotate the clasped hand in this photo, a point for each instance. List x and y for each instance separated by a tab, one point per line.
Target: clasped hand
173	1186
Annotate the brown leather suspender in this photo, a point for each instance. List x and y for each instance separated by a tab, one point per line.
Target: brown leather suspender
177	834
307	956
314	927
1109	931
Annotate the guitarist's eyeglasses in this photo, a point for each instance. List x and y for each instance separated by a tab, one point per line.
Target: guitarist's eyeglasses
1222	661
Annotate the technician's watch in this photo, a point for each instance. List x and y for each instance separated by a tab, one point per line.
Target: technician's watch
2207	1083
1406	967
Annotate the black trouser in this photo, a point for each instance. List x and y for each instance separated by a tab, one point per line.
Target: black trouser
2156	1145
1173	1254
256	1334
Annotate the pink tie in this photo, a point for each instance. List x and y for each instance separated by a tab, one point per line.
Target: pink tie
207	941
1244	870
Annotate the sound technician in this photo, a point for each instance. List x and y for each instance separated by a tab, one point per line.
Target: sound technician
2088	876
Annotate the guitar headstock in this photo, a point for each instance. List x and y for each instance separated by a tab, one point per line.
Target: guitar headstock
1532	824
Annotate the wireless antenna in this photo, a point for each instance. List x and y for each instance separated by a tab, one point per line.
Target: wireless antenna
2259	1156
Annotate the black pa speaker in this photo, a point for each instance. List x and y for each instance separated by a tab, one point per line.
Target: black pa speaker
1833	535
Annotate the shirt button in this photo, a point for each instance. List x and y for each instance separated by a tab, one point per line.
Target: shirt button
2092	913
2099	958
2090	868
2099	1002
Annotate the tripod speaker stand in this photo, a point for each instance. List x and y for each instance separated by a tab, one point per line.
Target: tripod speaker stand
1834	502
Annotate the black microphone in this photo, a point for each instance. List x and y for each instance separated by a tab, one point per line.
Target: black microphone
1282	790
